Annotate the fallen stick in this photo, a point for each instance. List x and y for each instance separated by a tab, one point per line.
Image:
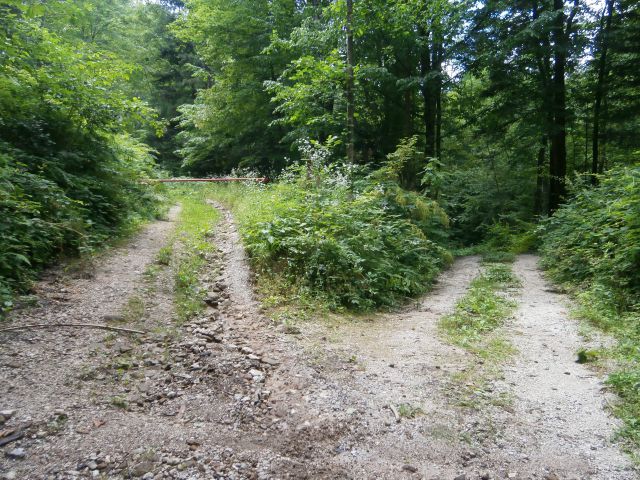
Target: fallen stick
72	325
11	438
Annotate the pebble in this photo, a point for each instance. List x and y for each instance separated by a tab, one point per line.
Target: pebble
7	414
410	468
10	475
141	469
17	453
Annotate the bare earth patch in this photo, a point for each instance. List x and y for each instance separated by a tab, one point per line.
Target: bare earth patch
228	395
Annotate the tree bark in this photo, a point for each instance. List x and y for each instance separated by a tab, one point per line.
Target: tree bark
539	195
558	160
605	27
438	94
350	86
428	97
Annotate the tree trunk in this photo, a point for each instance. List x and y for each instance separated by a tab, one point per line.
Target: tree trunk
605	27
350	86
407	114
558	161
539	195
438	94
428	97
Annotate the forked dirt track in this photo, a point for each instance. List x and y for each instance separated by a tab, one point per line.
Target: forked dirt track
229	395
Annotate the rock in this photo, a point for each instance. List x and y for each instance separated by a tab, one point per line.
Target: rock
92	465
10	475
113	318
270	361
148	476
173	461
485	476
212	300
141	469
17	453
7	414
256	375
410	468
461	477
551	476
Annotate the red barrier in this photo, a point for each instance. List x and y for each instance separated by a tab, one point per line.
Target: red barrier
239	179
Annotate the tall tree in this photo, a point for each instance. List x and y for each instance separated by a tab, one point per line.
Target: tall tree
351	107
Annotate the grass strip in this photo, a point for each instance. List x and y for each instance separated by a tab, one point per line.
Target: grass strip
190	249
483	309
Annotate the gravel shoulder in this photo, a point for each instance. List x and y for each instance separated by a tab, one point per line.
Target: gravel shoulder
230	395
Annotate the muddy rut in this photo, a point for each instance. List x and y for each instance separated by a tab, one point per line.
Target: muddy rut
230	395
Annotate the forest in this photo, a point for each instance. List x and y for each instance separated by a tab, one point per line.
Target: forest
397	136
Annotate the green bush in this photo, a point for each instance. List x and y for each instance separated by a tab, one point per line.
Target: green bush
595	239
48	213
69	163
358	244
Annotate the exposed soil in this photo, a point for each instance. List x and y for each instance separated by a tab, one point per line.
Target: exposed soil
231	395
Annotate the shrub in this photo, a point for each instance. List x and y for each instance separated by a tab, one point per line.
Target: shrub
359	244
595	239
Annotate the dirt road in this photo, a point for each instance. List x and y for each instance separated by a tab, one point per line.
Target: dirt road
229	395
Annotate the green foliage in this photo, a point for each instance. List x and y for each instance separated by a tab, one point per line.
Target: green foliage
69	169
595	239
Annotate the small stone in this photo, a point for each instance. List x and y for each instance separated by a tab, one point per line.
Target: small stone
7	414
512	475
212	300
461	477
410	468
485	476
392	365
148	476
257	375
551	476
10	475
17	453
141	469
92	465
